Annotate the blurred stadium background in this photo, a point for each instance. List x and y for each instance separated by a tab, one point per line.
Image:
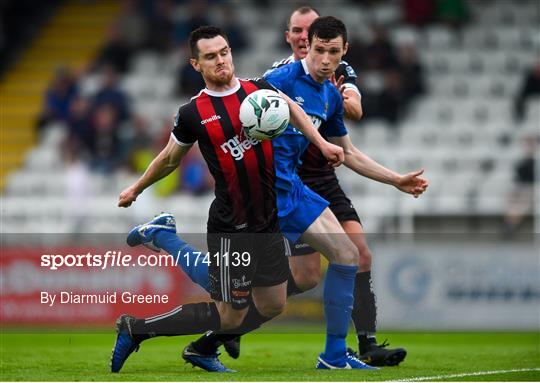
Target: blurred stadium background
88	94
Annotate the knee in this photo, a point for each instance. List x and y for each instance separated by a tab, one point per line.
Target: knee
231	318
347	254
308	278
271	309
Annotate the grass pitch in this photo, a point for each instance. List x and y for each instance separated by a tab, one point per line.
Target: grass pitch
271	357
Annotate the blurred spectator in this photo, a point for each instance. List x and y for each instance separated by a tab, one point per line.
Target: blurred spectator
188	81
195	177
380	53
232	27
78	123
452	12
160	25
111	94
521	199
530	87
133	24
412	71
138	144
198	16
61	91
418	12
116	52
104	142
393	99
77	179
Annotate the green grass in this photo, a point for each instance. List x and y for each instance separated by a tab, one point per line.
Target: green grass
267	357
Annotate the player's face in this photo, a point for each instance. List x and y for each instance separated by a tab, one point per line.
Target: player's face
324	57
214	61
297	34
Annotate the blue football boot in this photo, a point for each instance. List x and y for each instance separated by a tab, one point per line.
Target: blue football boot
144	234
350	362
125	344
210	363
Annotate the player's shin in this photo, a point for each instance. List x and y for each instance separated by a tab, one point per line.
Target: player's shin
364	312
338	301
193	318
185	256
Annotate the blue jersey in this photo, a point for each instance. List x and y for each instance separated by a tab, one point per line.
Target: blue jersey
322	102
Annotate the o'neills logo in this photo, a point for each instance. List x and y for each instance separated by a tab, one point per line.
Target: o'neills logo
210	119
237	147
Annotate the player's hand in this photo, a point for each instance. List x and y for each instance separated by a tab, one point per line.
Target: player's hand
333	153
338	83
127	197
412	183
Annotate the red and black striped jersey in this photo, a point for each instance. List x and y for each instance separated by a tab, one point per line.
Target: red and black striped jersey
243	168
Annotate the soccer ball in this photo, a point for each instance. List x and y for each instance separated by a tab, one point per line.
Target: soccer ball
264	114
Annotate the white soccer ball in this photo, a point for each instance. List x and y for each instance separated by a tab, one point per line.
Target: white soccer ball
264	114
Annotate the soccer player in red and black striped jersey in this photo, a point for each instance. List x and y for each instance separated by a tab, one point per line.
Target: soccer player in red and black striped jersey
243	216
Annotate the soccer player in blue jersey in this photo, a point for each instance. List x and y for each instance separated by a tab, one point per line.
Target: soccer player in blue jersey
317	175
299	209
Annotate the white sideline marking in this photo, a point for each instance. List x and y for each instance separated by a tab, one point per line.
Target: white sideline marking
439	377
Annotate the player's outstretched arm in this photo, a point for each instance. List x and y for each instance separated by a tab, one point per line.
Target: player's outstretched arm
299	119
357	161
163	165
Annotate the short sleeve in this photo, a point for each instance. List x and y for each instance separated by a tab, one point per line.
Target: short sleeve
181	132
349	76
263	84
277	79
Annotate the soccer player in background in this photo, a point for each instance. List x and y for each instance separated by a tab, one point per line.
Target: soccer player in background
243	216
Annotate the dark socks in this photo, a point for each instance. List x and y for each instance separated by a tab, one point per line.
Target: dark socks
187	319
209	342
364	314
364	341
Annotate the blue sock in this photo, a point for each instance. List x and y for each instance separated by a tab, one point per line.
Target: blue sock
196	269
338	301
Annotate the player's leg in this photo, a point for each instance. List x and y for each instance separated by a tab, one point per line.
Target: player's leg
187	319
267	273
225	313
306	270
268	295
160	233
364	312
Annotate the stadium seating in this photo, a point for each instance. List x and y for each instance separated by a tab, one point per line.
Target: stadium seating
462	132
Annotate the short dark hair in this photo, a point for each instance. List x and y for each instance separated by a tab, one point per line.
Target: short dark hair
205	32
327	28
302	10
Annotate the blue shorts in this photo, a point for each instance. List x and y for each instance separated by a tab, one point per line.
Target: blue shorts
298	208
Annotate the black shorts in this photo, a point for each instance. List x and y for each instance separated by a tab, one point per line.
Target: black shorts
340	205
240	261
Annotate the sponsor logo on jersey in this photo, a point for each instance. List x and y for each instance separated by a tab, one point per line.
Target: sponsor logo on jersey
299	100
210	119
237	147
241	282
350	71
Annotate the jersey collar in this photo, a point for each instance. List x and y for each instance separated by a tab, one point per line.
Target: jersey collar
304	65
233	90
